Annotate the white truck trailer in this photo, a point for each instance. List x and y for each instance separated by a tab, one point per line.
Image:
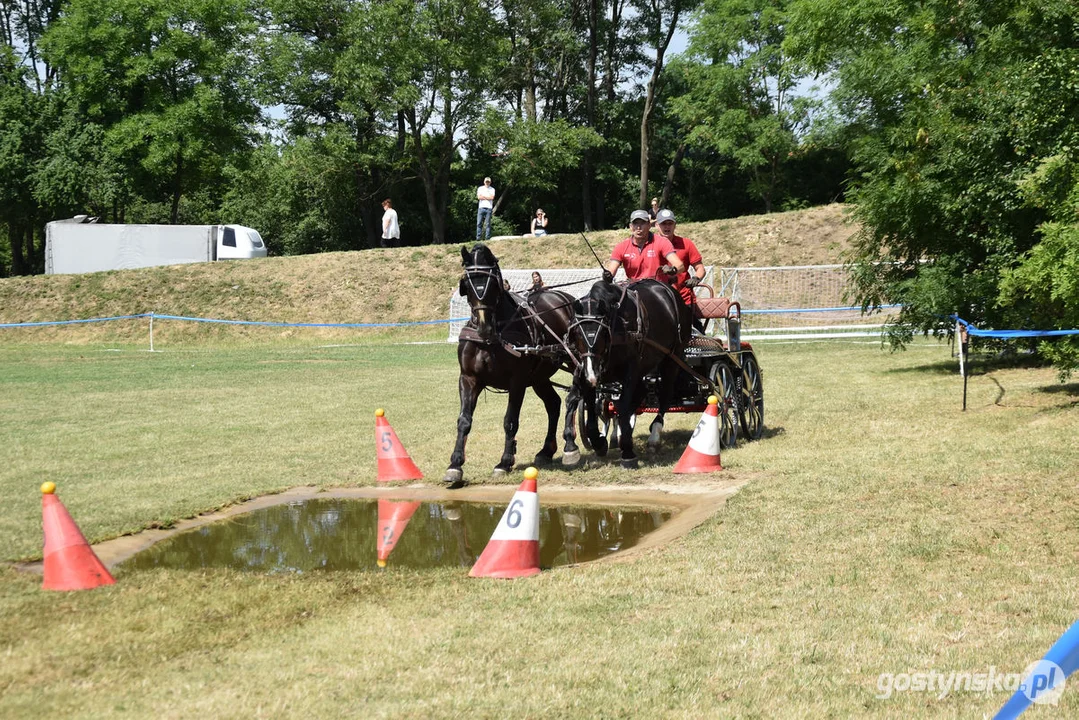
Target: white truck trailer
79	246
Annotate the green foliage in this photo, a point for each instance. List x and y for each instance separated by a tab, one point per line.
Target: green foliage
166	79
967	123
1046	284
739	91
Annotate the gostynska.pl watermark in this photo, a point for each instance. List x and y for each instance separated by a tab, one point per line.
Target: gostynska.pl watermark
1042	682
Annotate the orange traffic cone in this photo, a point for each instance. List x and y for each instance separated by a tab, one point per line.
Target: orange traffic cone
702	453
70	562
393	517
513	550
393	461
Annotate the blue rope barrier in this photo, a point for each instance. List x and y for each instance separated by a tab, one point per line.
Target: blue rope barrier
74	322
156	316
1011	334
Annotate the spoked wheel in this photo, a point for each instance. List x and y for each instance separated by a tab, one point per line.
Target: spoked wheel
751	409
720	374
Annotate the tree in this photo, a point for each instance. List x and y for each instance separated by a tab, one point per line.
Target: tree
661	18
740	98
167	79
968	121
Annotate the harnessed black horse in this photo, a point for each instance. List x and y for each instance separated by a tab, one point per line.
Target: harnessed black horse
620	335
488	355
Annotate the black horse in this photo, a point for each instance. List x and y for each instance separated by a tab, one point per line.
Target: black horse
621	334
486	351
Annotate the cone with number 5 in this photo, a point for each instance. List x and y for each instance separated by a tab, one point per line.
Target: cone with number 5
702	454
513	550
393	461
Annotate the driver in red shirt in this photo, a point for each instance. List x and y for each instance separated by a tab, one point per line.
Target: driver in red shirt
689	255
644	255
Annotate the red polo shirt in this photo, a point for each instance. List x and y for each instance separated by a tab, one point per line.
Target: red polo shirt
688	253
643	263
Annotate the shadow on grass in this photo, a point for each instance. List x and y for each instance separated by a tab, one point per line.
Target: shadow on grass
1070	390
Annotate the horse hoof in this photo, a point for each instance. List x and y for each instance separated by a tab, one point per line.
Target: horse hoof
542	460
600	447
571	459
653	449
498	473
630	464
454	479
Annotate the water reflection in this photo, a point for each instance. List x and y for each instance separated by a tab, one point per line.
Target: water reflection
338	534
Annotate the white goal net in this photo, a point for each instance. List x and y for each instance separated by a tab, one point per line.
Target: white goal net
789	302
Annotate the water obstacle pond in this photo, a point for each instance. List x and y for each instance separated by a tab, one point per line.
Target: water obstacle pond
363	534
681	507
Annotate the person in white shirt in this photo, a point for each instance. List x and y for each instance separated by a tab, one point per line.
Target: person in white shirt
391	230
486	197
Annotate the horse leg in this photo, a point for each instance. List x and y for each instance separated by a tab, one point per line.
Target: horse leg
591	424
628	403
469	388
510	424
669	374
571	455
553	404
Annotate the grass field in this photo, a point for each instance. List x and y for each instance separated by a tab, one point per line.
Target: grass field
881	530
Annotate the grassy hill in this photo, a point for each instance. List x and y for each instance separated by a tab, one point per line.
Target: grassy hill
389	285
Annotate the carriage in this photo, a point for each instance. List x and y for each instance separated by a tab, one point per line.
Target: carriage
716	360
514	342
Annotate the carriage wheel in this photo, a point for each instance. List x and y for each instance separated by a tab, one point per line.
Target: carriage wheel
720	374
751	409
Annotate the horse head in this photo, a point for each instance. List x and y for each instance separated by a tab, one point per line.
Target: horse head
482	285
591	334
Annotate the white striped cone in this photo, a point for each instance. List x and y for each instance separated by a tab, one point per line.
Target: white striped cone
702	453
513	550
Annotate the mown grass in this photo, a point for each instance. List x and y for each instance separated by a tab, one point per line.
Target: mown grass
881	530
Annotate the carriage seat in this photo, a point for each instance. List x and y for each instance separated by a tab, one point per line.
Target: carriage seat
713	308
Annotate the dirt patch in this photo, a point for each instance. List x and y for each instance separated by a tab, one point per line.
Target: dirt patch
692	502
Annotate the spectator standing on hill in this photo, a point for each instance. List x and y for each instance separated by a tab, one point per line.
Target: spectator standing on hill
644	253
539	223
485	194
653	211
391	229
688	253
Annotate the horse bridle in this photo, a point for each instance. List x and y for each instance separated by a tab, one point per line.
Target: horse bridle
489	273
591	337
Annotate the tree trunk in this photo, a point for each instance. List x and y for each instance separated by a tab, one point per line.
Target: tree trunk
649	104
18	263
671	170
177	186
590	114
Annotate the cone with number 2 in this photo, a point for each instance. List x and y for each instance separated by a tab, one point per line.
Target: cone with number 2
393	461
702	454
513	550
393	518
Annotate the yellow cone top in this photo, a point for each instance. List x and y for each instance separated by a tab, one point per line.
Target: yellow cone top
380	413
48	488
713	400
531	473
382	563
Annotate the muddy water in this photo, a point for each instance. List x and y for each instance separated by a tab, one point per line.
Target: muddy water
343	534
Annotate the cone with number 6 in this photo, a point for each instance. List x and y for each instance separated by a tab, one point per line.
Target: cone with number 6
702	454
393	461
513	550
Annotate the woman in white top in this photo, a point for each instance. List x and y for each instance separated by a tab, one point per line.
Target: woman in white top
391	229
539	223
